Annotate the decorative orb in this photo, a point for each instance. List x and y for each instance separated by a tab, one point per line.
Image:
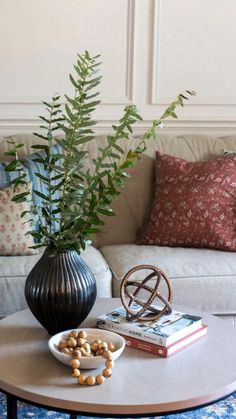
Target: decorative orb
154	285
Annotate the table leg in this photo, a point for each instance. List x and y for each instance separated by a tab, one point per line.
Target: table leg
11	407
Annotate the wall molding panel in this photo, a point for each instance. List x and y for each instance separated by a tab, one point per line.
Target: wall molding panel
110	100
128	94
158	41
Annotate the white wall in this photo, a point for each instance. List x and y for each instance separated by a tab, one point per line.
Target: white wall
151	50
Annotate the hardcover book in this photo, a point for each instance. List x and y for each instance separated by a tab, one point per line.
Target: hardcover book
165	331
166	351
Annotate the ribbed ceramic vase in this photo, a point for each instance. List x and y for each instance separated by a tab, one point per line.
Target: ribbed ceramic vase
60	291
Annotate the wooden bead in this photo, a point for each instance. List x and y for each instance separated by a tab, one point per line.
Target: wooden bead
66	351
91	380
111	347
76	373
73	334
106	372
94	347
76	354
82	334
107	354
81	341
103	346
62	344
81	379
82	351
72	343
86	346
109	364
100	379
75	363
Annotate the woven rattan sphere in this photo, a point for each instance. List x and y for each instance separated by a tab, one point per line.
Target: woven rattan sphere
130	293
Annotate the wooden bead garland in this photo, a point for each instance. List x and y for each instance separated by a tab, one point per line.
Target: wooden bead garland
77	346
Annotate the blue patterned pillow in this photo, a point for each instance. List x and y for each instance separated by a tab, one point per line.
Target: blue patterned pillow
31	167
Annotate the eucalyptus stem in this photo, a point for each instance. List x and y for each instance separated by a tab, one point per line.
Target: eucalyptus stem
84	194
74	125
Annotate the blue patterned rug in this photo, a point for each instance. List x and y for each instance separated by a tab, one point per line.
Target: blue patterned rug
224	409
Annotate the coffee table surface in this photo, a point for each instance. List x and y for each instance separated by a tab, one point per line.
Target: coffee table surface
141	383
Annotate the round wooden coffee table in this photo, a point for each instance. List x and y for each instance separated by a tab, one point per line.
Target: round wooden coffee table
142	384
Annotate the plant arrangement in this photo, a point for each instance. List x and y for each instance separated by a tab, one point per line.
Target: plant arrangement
78	197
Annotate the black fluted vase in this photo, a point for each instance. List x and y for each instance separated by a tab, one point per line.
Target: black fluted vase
60	291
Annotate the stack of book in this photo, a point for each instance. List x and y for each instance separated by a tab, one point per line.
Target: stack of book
163	337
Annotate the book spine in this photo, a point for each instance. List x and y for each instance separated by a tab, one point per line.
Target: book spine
129	331
162	350
146	346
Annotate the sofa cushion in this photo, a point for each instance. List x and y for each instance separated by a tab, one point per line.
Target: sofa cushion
15	269
14	239
201	278
194	204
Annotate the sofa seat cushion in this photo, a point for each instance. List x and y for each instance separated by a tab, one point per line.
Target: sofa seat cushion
201	278
14	270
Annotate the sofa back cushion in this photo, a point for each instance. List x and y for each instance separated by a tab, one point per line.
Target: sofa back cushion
133	206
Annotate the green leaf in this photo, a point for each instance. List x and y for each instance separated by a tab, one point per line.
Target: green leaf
57	177
13	166
45	179
46	216
39	160
44	137
44	119
10	153
40	147
24	213
118	148
21	197
106	211
91	104
36	234
20	180
41	195
75	84
56	211
114	156
84	140
69	113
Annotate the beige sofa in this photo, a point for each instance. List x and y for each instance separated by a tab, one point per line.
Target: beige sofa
201	278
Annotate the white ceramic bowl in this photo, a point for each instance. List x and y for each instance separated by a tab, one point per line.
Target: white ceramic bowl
88	362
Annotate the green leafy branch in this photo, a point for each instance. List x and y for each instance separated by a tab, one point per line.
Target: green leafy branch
86	193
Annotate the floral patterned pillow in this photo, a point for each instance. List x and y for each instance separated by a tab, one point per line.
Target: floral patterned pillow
13	228
194	204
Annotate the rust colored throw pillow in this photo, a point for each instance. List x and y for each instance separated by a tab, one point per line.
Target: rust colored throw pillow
194	204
